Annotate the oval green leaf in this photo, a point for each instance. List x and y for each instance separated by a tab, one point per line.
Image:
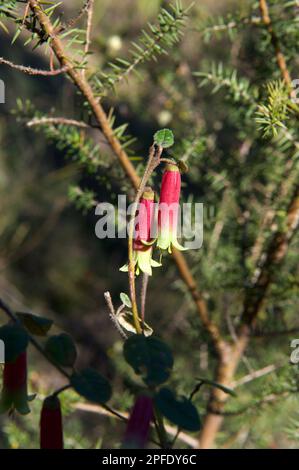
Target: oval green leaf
92	386
125	300
61	349
164	138
38	326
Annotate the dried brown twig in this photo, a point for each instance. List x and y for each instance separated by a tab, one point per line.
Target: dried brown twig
33	71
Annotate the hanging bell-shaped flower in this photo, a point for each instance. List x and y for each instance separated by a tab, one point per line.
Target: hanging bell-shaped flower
169	209
138	427
14	394
51	430
142	243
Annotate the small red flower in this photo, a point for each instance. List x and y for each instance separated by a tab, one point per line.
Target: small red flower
14	392
138	426
142	238
169	208
145	220
51	431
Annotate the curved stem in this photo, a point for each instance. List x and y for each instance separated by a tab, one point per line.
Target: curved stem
62	389
161	431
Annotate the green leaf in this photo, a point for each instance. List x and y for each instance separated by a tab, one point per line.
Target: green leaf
16	35
164	138
15	341
61	350
179	410
149	357
36	325
217	385
125	300
92	386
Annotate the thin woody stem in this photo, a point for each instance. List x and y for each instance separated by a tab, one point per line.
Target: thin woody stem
143	295
280	58
32	71
113	315
90	10
160	428
56	121
61	389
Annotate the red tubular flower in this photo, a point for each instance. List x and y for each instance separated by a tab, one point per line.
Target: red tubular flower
138	426
169	208
142	240
51	432
14	393
145	220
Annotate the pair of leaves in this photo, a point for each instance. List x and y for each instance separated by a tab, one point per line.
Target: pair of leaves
150	358
91	385
88	383
59	348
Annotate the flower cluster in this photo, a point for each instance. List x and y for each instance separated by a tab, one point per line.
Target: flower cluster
168	212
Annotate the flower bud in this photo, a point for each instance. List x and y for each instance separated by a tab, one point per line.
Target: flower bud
14	392
51	432
169	208
138	426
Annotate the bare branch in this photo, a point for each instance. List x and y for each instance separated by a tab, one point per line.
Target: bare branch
56	121
72	22
255	375
113	315
90	10
280	58
33	71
